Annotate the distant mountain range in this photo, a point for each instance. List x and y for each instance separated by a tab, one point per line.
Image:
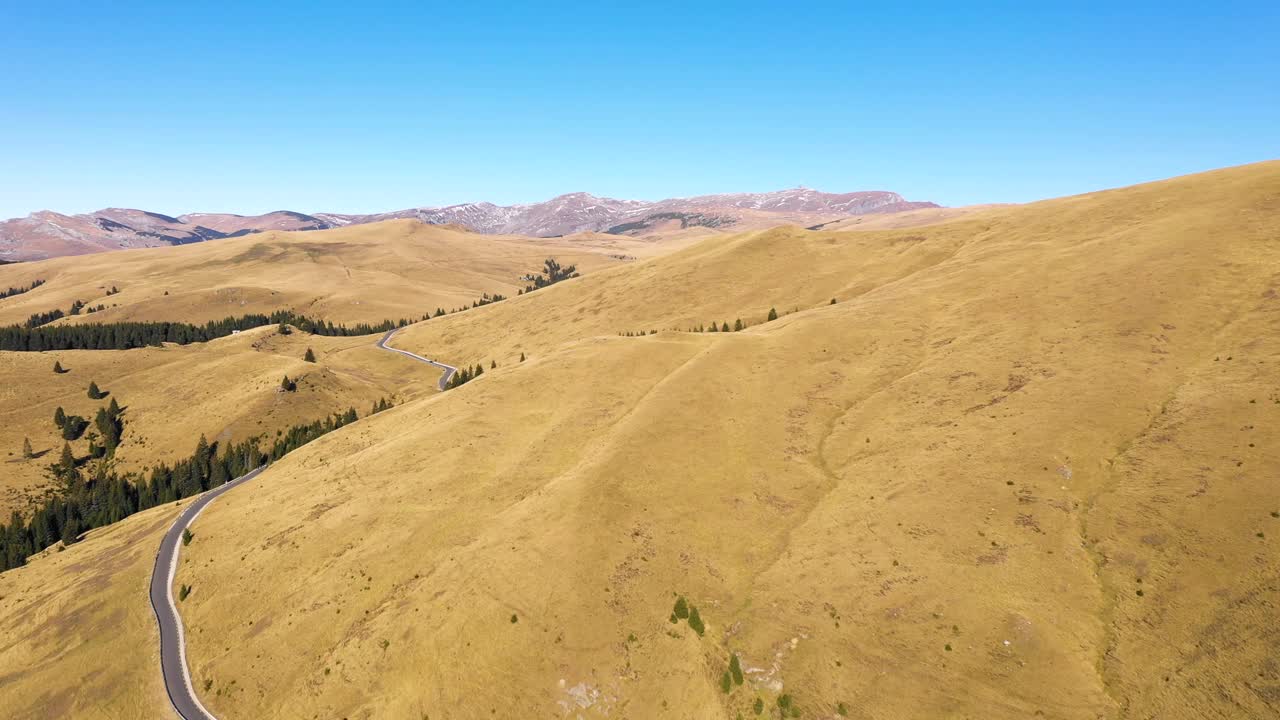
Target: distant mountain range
47	234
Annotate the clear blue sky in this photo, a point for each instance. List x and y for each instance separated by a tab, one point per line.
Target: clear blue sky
360	107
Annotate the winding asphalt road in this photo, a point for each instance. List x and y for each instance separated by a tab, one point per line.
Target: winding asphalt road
449	370
173	647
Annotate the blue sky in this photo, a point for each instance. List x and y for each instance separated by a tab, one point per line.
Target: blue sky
241	107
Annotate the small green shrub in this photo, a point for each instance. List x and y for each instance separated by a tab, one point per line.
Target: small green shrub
187	536
183	592
726	683
759	706
735	668
695	621
681	609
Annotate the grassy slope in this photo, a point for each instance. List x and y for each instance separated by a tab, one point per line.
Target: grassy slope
1006	423
364	273
225	389
77	634
833	490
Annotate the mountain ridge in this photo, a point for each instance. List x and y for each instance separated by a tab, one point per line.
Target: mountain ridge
45	233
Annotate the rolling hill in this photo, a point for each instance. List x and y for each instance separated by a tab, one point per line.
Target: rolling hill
1022	466
367	273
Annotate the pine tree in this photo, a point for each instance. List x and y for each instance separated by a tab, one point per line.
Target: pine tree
773	314
493	364
113	409
737	325
57	367
219	475
27	452
735	668
71	531
724	327
288	385
310	356
67	463
59	417
522	357
94	392
833	301
283	329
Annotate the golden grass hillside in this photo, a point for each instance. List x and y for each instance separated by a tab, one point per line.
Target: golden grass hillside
1026	467
226	389
364	273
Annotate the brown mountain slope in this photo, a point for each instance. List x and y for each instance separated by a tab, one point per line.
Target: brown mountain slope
47	234
934	498
366	273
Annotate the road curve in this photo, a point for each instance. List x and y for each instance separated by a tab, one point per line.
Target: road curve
173	647
449	370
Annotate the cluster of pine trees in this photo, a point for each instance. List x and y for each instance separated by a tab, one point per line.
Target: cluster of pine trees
99	496
382	404
738	325
466	375
19	290
638	333
552	273
44	318
127	335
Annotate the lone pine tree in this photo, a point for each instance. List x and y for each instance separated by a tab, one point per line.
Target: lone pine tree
310	356
27	452
94	392
773	314
57	367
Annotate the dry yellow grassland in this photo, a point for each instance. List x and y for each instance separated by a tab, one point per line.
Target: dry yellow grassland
363	273
1026	467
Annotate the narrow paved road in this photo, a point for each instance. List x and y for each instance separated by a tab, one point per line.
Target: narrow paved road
173	647
449	370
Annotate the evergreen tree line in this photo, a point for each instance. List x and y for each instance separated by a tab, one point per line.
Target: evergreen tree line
19	290
713	326
127	335
486	299
99	496
44	318
738	325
